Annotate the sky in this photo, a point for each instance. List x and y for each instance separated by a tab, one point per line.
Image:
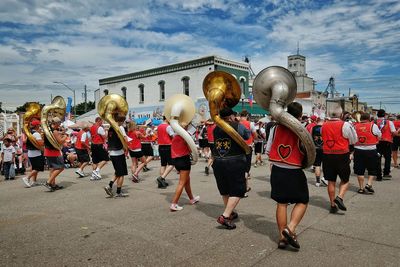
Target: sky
78	42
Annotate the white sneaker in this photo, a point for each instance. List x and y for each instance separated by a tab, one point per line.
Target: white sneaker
324	182
93	178
80	173
317	184
26	181
34	184
175	207
96	174
195	200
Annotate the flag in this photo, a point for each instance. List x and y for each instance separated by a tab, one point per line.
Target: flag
251	100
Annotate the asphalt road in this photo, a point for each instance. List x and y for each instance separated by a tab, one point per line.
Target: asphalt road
79	226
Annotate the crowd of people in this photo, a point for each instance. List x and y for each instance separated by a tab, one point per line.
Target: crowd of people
338	139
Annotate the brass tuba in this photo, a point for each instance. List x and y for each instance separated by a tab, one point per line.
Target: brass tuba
109	108
274	88
179	110
55	109
222	90
33	110
356	116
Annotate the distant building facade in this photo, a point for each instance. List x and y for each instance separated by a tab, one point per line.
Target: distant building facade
146	91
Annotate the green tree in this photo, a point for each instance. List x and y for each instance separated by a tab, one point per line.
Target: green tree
80	108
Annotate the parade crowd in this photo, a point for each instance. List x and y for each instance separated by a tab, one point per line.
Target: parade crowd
339	139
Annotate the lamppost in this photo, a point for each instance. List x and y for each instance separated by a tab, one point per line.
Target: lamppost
72	90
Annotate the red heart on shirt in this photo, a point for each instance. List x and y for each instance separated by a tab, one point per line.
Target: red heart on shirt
362	139
330	143
284	151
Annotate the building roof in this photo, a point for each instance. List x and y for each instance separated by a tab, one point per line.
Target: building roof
195	63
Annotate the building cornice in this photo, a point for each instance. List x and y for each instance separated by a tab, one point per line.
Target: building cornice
196	63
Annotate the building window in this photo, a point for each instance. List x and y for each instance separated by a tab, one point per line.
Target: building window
162	90
242	84
185	81
141	93
105	91
123	90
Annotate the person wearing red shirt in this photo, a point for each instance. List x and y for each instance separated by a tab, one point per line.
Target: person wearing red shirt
54	156
313	122
384	146
365	154
82	149
165	134
337	136
99	154
135	150
180	154
396	141
210	126
288	181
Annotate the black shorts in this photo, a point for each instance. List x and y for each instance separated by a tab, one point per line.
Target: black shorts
182	163
83	155
203	143
56	163
365	160
229	174
248	160
258	148
334	165
147	149
318	157
136	154
289	185
211	146
99	154
396	143
37	163
119	164
165	155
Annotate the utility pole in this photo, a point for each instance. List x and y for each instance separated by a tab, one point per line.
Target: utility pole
85	99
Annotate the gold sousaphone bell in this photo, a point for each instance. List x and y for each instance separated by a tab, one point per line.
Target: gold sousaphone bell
109	108
33	110
55	110
179	110
222	90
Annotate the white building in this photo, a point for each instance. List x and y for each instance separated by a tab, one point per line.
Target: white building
146	91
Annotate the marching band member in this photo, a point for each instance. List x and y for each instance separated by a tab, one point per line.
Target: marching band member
229	167
384	146
117	155
82	149
180	154
165	135
35	156
337	136
54	156
135	151
288	181
99	153
365	153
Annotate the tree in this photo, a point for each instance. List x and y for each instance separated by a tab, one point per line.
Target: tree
80	108
24	106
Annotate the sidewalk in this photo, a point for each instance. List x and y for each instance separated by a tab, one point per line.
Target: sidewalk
79	226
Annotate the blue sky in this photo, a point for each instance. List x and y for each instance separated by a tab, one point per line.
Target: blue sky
79	42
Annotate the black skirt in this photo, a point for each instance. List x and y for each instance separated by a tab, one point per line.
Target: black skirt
289	185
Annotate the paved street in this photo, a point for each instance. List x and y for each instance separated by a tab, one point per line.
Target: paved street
79	226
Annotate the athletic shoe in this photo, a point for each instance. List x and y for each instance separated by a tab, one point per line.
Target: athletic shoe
226	222
161	183
324	182
206	170
317	184
48	186
135	178
34	184
58	187
195	200
121	195
80	173
109	191
165	182
387	177
96	175
255	165
333	209
145	169
175	207
26	181
339	202
282	243
234	216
